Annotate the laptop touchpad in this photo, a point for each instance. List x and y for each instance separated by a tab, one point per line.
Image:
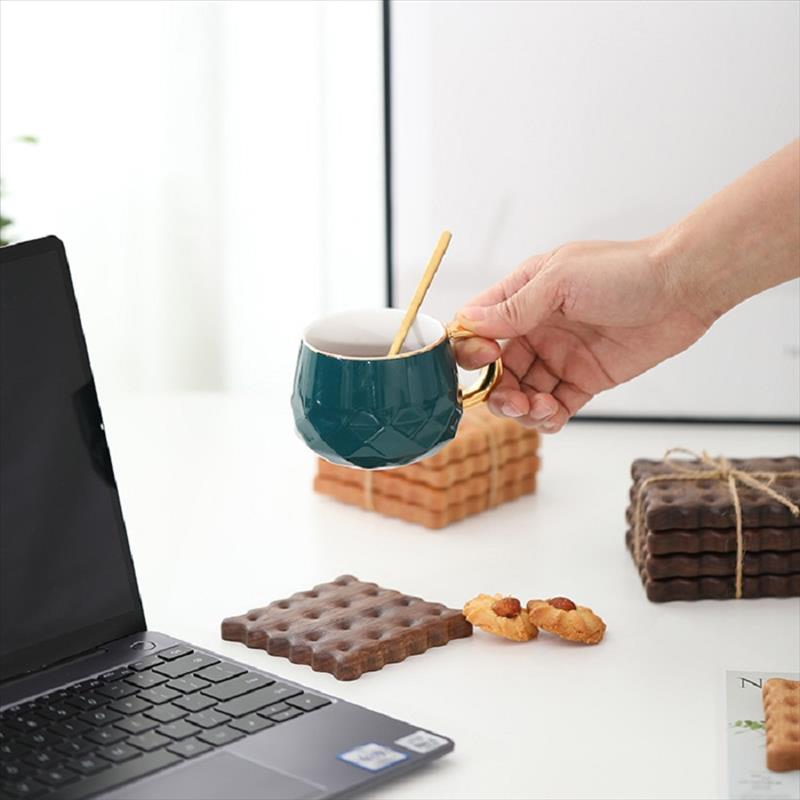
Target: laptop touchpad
221	777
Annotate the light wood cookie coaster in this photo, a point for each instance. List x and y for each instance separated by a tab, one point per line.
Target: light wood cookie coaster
782	723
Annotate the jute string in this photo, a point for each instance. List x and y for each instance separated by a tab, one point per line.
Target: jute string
369	503
719	469
494	457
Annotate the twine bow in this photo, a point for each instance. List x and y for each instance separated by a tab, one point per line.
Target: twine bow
719	469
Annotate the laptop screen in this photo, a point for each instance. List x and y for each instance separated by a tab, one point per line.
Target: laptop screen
67	583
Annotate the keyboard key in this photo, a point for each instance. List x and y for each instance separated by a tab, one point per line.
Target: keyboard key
88	765
258	699
179	730
85	686
130	705
106	735
39	739
75	747
101	716
251	724
13	771
117	690
145	663
116	675
171	653
220	736
195	702
24	788
221	672
283	716
16	750
57	712
308	702
158	695
108	779
185	665
72	727
149	741
119	752
188	684
146	680
26	723
189	748
273	709
43	759
57	776
237	686
86	702
208	719
137	724
166	713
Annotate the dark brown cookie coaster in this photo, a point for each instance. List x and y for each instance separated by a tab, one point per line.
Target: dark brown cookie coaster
707	565
690	504
717	540
347	627
721	588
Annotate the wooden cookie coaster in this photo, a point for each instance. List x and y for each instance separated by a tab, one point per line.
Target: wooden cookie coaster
355	495
347	627
782	723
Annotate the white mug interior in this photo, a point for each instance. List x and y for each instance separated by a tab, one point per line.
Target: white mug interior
368	333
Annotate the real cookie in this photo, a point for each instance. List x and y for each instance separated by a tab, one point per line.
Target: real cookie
502	616
559	615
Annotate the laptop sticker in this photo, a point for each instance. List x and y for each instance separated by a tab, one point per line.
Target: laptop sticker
373	757
421	742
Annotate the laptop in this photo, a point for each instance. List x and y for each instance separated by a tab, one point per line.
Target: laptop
91	702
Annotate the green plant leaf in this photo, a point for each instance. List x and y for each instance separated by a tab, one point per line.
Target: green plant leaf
28	139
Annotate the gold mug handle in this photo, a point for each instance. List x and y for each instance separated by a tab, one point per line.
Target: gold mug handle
488	379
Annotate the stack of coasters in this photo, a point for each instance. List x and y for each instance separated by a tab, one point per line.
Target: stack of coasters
684	538
490	461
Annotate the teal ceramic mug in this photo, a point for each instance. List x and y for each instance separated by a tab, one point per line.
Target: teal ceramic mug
356	406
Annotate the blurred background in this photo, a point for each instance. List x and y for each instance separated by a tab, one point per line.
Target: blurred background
218	170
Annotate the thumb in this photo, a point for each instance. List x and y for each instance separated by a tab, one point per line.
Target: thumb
516	315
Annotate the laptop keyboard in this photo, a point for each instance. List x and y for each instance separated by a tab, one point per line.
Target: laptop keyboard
156	712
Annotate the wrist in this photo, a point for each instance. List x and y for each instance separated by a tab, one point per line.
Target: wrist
697	278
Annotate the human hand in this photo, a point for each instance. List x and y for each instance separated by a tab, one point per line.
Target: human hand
578	320
591	315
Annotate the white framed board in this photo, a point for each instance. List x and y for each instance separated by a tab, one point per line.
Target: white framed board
521	125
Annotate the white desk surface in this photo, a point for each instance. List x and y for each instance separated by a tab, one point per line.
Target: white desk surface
216	492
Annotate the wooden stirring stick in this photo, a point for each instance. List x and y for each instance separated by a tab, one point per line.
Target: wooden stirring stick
419	295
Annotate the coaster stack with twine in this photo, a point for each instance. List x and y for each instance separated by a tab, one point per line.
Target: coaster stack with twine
720	469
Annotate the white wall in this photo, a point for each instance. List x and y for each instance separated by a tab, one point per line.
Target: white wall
522	125
192	157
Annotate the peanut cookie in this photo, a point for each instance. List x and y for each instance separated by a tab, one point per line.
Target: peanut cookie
503	616
561	616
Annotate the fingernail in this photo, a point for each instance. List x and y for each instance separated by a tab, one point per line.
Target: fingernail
541	414
477	346
510	411
473	313
548	427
